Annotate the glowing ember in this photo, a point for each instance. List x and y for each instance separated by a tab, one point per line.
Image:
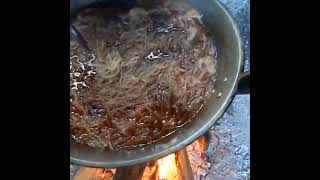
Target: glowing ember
167	168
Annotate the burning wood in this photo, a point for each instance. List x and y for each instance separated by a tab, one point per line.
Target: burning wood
151	171
133	172
85	173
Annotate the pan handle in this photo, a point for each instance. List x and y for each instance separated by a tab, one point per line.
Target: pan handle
244	83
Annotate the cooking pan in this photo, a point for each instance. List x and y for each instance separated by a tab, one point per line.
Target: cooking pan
230	80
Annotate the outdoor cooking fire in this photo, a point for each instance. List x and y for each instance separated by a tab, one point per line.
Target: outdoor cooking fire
163	169
172	167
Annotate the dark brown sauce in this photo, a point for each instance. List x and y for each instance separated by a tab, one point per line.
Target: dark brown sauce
151	71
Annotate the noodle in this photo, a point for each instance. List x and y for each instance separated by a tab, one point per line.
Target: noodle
150	71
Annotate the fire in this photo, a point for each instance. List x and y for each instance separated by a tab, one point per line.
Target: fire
167	168
182	165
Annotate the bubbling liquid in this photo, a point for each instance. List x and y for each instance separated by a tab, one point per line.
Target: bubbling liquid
150	71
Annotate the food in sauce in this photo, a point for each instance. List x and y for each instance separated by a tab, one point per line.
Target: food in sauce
150	71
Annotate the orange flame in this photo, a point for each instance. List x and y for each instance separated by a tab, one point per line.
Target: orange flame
167	168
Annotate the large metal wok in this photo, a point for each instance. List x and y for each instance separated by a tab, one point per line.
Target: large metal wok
230	64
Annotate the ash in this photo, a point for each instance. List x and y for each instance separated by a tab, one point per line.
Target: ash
240	11
226	154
